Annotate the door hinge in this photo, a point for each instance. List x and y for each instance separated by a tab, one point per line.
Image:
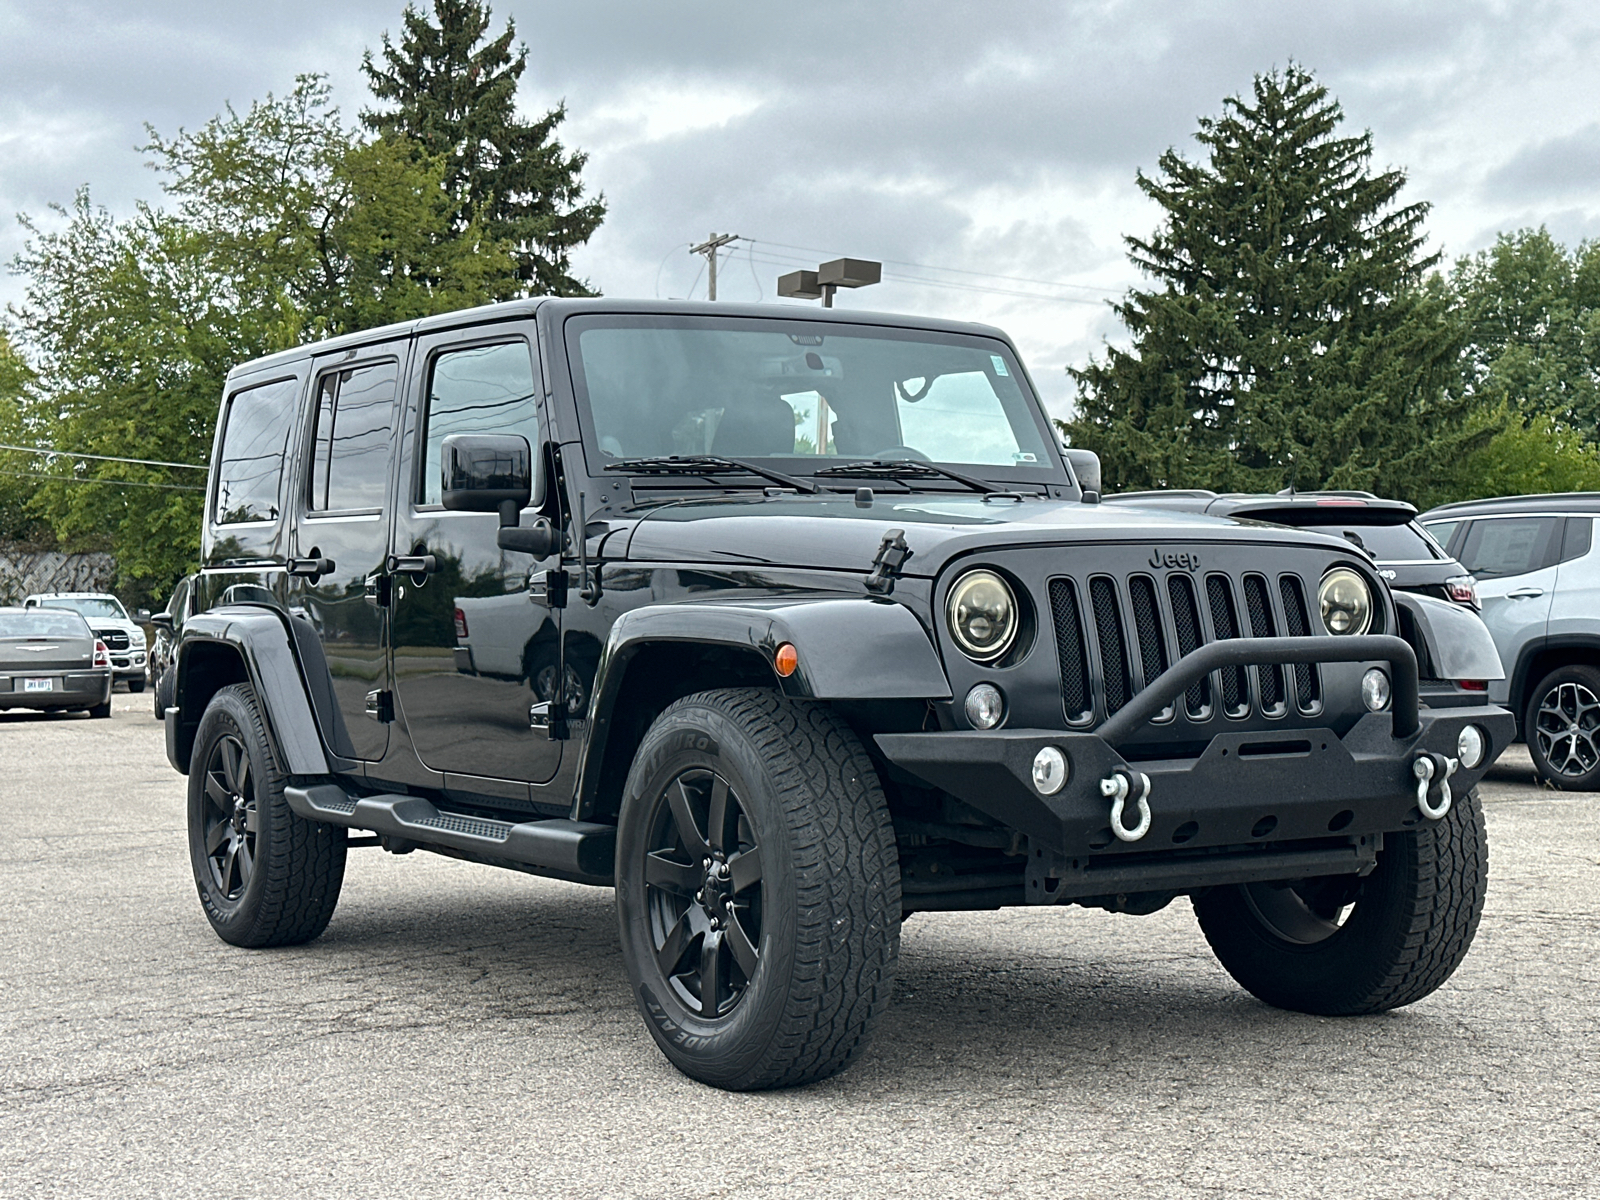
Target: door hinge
548	588
891	556
550	716
378	589
380	706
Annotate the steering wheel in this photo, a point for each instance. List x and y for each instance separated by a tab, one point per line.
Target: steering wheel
901	454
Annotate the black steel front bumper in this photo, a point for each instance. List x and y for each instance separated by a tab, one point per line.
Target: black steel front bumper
1259	788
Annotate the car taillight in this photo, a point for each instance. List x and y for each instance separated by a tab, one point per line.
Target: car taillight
1463	589
461	624
102	656
1473	685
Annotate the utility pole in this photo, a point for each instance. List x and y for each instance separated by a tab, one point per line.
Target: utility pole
709	248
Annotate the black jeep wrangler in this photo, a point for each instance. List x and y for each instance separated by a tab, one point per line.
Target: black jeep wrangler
787	624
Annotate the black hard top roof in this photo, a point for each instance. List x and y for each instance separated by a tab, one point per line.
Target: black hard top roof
513	309
1545	502
1283	508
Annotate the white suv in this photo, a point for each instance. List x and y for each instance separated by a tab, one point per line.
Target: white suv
111	624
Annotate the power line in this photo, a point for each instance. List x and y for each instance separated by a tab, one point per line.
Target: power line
139	462
709	249
168	487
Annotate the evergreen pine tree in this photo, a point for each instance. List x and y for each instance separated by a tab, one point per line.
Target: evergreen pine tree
453	94
1293	338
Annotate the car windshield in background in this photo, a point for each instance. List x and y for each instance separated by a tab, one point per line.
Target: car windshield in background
92	607
803	395
1392	543
42	624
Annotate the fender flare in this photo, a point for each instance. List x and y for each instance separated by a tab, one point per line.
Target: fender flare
848	649
1457	642
265	642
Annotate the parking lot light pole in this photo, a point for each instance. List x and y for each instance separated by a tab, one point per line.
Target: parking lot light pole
829	278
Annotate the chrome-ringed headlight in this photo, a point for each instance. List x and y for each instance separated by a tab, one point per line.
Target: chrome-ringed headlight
1345	602
982	616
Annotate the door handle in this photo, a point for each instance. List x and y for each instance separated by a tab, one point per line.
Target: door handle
411	564
1527	593
311	568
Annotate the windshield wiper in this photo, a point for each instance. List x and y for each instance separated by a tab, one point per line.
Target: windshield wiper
707	464
908	468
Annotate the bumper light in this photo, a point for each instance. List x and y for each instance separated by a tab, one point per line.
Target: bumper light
1050	771
1375	690
1470	746
985	706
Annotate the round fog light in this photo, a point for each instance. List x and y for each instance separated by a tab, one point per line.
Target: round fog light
1050	771
1375	690
986	707
1470	745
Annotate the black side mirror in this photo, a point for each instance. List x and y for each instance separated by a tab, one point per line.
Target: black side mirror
494	472
161	620
1086	466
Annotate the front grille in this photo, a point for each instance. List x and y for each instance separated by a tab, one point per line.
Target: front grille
1125	633
115	639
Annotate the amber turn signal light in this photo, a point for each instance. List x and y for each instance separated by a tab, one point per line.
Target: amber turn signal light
786	660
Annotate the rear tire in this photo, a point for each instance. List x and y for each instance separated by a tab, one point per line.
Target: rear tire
100	712
758	889
1562	728
1303	947
266	875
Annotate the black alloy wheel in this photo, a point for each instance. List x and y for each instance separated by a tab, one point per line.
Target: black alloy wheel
231	820
703	892
1563	728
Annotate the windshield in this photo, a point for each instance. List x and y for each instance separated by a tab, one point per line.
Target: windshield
803	395
1391	543
42	624
90	606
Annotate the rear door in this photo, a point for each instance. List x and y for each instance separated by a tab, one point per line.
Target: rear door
342	502
1575	609
472	649
1514	559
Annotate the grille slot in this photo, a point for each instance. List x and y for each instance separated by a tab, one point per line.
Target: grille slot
1297	619
1258	603
1147	625
1070	651
1113	646
1186	619
1225	622
115	639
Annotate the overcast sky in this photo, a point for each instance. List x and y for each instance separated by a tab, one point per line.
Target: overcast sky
962	143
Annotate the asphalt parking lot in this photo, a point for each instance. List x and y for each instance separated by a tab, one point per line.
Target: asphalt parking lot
464	1031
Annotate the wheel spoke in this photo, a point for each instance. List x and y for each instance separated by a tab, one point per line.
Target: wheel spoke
230	763
217	793
739	945
214	839
671	952
228	862
717	817
710	973
683	814
744	868
660	871
245	862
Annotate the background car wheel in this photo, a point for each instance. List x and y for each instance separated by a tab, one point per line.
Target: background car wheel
136	684
100	711
266	875
1562	727
162	692
758	889
1342	946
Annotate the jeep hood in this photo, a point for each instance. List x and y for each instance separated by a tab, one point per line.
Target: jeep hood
830	532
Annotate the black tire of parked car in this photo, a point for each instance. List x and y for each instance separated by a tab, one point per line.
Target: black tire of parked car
266	875
1405	927
100	712
162	692
1562	728
136	684
758	889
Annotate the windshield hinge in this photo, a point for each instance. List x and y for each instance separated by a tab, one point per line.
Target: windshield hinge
891	556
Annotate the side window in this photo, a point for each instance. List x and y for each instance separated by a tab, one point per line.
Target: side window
1579	536
1510	545
481	389
350	449
1442	532
255	437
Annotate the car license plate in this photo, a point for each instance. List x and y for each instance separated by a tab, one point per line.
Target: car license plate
38	685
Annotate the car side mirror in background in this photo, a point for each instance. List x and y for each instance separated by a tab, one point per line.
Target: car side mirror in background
142	616
1086	466
495	472
160	620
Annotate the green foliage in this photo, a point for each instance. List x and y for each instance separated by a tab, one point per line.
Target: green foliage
453	95
1521	459
1292	337
1532	309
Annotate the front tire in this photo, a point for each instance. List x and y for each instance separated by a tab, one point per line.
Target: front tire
1343	946
1562	728
266	875
758	889
136	684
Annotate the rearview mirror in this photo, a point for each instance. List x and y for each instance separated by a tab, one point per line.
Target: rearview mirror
482	472
1086	466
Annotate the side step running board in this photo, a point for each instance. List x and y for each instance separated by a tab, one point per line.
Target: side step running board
578	850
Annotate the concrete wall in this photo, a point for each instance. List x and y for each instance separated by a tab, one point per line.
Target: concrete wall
26	571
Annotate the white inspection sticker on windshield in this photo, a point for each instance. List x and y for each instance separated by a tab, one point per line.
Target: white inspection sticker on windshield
999	365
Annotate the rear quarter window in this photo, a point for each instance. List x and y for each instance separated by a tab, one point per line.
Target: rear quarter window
255	437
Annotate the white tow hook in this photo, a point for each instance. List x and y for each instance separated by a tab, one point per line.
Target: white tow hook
1121	786
1426	768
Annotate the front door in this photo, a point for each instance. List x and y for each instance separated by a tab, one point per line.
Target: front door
343	502
472	650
